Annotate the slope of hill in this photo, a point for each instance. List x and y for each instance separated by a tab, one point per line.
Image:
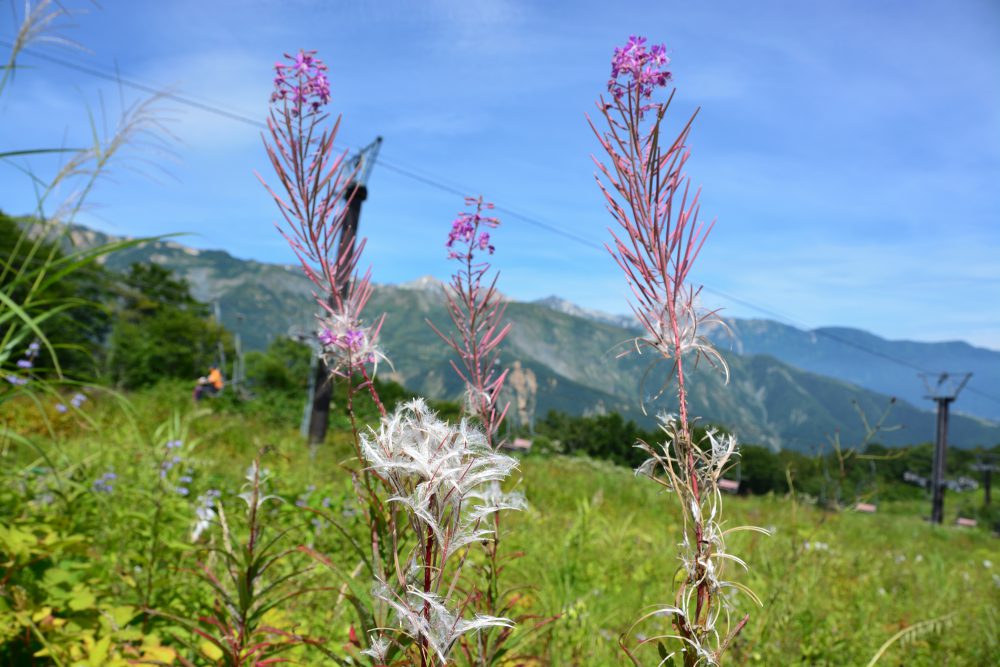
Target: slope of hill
563	358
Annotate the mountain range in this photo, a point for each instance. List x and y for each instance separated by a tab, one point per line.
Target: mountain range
789	388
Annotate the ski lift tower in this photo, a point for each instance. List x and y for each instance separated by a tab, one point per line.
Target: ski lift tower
943	389
987	466
360	164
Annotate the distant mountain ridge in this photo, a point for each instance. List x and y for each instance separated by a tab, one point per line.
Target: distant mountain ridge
563	306
564	357
853	355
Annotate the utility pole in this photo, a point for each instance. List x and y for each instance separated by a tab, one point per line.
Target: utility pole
356	193
239	371
987	468
943	389
221	361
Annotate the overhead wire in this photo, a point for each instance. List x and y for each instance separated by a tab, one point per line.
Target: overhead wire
438	183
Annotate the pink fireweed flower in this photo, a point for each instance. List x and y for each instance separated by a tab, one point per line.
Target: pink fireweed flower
465	230
484	242
638	71
347	345
354	339
303	83
303	62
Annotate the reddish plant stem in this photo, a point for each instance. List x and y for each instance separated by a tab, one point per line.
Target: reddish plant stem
428	561
371	390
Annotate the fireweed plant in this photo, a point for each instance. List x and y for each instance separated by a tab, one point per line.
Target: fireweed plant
477	312
418	476
659	239
317	192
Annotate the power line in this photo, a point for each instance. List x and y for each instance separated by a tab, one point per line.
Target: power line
438	184
243	118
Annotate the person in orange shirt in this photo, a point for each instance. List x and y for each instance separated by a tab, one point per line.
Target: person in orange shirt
209	386
215	379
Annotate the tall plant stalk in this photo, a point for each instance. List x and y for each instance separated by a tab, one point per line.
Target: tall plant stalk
658	240
477	312
313	201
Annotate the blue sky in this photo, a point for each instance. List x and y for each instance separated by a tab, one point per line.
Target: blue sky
849	150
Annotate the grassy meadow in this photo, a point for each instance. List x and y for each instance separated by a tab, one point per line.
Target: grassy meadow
85	553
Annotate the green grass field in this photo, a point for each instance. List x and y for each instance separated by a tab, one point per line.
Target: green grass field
598	549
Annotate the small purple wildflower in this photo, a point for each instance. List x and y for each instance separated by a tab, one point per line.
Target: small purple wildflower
105	483
77	400
25	364
61	409
182	490
303	500
168	464
175	444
